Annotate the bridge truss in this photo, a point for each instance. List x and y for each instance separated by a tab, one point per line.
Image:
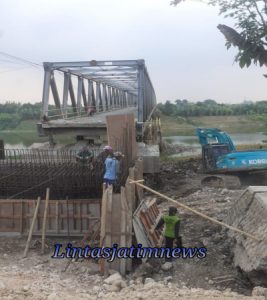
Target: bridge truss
102	85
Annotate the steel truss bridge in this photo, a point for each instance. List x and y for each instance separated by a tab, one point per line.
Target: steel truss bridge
108	87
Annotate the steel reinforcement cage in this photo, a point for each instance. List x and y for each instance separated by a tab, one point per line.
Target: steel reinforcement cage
25	173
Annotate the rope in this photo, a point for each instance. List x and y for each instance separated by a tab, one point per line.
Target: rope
197	212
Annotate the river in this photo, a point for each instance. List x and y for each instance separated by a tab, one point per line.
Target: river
21	141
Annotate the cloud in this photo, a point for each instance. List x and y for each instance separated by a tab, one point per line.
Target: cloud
184	51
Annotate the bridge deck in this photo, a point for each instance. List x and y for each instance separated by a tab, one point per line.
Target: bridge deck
96	121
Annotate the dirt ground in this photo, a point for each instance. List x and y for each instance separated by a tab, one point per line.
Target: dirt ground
215	277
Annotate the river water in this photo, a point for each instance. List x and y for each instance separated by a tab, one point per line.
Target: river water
15	141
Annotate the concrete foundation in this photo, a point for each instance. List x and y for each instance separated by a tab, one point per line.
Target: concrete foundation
151	157
249	213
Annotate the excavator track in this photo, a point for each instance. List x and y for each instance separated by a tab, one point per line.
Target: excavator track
222	181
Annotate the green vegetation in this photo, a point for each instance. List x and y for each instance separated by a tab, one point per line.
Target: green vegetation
209	107
18	124
250	18
172	126
11	114
182	117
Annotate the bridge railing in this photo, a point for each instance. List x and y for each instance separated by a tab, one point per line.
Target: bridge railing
68	113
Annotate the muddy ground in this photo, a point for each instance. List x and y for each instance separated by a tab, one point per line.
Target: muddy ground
215	277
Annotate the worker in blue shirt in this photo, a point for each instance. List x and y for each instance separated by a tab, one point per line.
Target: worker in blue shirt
110	175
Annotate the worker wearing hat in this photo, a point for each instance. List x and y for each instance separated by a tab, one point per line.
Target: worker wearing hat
112	167
107	150
110	175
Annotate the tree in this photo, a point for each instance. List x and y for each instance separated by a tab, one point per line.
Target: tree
251	22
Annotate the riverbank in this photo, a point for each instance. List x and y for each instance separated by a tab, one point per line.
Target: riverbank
177	130
175	126
25	134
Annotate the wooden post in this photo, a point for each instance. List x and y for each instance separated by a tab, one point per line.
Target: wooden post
44	219
108	240
103	228
21	217
124	232
31	228
57	211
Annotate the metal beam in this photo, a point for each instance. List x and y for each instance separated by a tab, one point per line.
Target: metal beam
72	96
104	97
46	89
55	92
93	63
85	103
141	77
79	94
109	104
66	92
97	96
96	70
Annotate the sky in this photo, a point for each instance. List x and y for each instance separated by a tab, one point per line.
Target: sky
185	53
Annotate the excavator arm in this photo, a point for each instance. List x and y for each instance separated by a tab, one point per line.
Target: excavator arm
213	136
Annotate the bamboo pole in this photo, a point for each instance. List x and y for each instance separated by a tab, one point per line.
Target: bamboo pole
45	217
31	228
197	212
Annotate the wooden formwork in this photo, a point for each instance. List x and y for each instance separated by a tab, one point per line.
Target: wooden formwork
64	217
145	220
116	219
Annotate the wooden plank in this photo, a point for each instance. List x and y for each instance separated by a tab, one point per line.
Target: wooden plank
138	175
81	221
103	228
44	219
13	224
31	228
108	240
115	221
31	201
123	226
52	216
21	217
130	201
57	219
32	212
23	213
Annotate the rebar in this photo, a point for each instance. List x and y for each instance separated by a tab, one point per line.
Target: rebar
26	173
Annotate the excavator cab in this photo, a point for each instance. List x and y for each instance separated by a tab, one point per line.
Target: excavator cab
210	155
215	143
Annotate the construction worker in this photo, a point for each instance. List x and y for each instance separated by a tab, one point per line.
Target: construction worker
107	150
110	175
84	155
171	233
91	111
119	156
